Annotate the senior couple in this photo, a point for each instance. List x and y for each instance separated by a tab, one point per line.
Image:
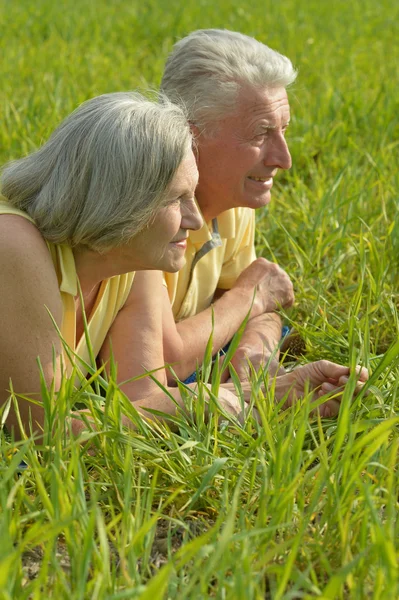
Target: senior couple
126	189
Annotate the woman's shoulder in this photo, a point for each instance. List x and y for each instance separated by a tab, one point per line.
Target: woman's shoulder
26	270
22	246
17	231
8	209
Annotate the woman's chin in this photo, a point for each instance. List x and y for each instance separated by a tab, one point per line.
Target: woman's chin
174	265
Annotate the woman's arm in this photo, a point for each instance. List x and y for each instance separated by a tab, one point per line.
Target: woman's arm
28	285
135	340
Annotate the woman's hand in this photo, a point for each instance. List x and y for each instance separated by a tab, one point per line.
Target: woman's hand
230	403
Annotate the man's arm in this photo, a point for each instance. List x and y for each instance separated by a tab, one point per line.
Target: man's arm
259	346
185	342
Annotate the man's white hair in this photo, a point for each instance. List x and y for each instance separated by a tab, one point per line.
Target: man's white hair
206	70
103	173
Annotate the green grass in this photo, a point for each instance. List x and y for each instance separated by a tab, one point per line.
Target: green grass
290	508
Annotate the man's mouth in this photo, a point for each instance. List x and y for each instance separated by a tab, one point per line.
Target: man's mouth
262	179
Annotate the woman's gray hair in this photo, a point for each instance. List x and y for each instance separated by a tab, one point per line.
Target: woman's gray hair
104	171
206	70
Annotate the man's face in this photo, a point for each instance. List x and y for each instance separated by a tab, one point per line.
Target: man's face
238	162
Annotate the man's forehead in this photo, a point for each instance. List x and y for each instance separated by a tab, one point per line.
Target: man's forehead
268	107
263	99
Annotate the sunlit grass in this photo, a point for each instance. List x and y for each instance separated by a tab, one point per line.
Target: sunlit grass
292	507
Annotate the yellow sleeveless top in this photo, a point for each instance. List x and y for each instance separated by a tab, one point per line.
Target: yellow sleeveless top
111	297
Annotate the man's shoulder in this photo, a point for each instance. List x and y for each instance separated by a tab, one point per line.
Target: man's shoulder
244	215
235	221
240	212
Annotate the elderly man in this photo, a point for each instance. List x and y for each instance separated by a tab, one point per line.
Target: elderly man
234	89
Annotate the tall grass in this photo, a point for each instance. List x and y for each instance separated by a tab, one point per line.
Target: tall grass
293	507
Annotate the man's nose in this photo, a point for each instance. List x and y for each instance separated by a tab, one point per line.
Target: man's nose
191	218
278	154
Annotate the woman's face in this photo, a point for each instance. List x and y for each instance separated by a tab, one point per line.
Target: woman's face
162	244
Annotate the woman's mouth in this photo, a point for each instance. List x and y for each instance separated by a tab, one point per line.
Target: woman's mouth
180	243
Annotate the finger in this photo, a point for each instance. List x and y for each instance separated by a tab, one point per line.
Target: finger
344	380
336	393
330	370
224	376
256	415
327	387
329	409
359	387
362	373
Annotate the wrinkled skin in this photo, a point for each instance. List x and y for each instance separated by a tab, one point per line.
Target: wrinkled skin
322	377
271	283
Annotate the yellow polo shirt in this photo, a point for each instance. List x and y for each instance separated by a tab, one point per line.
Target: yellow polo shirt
111	297
216	255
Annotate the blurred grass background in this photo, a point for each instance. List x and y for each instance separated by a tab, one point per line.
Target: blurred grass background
299	510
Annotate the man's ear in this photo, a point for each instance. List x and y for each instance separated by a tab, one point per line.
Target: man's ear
194	129
195	133
195	150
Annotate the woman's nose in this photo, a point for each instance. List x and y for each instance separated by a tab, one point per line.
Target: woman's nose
191	218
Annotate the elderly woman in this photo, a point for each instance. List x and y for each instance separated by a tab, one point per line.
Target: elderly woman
110	193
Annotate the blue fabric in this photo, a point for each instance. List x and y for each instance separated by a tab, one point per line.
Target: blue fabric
193	377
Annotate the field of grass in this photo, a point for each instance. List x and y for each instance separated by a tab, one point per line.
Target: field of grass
293	507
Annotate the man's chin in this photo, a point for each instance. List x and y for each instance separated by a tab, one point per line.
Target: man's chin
257	201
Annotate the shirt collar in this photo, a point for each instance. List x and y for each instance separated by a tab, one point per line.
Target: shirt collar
66	261
226	222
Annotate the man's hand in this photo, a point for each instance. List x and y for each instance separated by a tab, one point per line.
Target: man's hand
273	287
322	377
244	357
258	347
